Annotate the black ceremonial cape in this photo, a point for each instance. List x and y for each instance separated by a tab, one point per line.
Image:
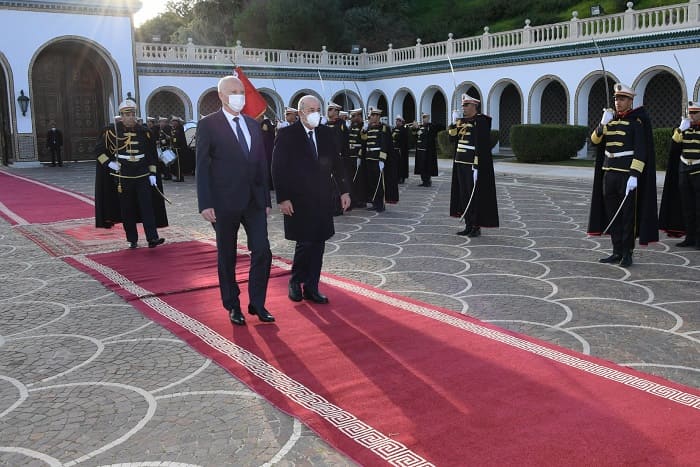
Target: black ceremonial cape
670	213
647	225
485	192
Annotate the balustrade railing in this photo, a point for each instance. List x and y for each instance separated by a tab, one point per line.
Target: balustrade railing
628	23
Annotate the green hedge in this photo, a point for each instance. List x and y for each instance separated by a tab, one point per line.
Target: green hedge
544	143
662	142
446	150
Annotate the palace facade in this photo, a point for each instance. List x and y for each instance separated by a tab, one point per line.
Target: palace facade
72	61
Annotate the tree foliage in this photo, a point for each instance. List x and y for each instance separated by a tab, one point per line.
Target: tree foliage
338	24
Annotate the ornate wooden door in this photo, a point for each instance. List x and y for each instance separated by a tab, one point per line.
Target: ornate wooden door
68	90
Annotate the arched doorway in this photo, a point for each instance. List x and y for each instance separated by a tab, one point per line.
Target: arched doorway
510	111
166	103
209	103
6	152
69	79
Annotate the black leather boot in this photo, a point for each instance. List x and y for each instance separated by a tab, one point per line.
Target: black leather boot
614	258
626	260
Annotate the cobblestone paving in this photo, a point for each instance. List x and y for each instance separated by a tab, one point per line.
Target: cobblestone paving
85	379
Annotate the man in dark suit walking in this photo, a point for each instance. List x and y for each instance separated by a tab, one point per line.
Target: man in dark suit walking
232	189
54	142
304	159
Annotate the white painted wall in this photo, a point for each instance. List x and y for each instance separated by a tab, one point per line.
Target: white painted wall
23	34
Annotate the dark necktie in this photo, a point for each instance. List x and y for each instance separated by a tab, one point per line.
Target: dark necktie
241	137
311	142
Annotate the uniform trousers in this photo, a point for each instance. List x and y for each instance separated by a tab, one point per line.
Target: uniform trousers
689	187
622	230
135	198
375	183
465	177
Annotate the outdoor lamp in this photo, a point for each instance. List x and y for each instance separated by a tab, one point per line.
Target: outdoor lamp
23	102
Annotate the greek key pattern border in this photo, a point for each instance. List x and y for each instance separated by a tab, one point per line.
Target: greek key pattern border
390	450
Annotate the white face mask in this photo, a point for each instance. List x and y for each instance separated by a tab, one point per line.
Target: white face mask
236	102
313	119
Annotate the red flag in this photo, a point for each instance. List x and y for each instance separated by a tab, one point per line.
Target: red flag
255	103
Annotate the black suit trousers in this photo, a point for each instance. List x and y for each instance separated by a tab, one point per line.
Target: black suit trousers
254	221
307	263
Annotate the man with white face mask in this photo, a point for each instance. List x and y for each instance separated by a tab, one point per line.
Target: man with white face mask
232	189
306	166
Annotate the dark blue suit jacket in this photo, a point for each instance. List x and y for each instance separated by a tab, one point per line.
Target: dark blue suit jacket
226	179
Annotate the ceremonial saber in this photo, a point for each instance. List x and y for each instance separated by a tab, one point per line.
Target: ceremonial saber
616	213
161	194
605	74
323	88
116	146
685	83
469	203
357	169
381	174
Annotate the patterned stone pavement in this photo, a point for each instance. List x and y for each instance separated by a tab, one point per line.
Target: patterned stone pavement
86	380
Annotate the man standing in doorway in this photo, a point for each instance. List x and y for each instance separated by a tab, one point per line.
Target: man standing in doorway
54	143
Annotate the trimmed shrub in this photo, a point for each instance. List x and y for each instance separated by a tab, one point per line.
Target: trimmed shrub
662	143
544	143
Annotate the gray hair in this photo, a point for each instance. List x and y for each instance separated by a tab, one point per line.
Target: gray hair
302	102
225	79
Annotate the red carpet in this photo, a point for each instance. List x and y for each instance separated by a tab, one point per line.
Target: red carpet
391	381
24	201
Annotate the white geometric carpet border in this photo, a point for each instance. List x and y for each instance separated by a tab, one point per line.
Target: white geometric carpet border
391	451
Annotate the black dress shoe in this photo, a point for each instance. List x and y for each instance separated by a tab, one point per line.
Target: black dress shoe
380	209
315	296
614	258
156	242
686	242
262	313
295	292
626	260
236	316
466	230
475	232
133	245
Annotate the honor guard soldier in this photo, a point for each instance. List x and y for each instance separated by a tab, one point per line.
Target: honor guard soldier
680	203
126	154
290	117
353	162
163	142
624	183
341	132
399	139
473	193
378	147
426	150
269	130
178	143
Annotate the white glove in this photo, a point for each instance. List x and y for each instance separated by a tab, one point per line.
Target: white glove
381	165
152	180
631	184
475	174
455	116
359	161
114	165
607	117
685	124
